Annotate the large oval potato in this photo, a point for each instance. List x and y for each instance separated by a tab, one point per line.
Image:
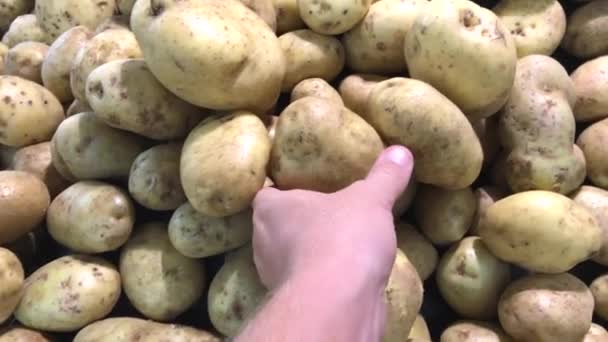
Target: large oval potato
36	159
464	51
69	293
215	54
587	30
159	281
320	145
335	17
91	217
11	9
11	278
596	201
355	90
24	200
85	148
474	331
317	87
25	28
29	113
592	143
541	231
599	289
239	140
546	308
418	249
590	81
58	16
414	114
25	60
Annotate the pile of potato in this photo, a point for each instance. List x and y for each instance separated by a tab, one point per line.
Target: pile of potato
134	135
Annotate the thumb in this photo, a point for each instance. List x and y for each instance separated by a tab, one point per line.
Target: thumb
390	175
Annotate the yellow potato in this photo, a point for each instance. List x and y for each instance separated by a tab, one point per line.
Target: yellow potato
419	331
25	28
418	249
317	87
591	84
332	17
20	334
599	289
11	278
58	16
587	30
474	331
36	159
11	9
288	16
485	197
592	143
355	90
25	60
596	201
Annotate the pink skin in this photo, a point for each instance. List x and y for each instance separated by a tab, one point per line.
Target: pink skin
327	257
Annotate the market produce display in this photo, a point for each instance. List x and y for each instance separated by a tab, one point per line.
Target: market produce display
135	134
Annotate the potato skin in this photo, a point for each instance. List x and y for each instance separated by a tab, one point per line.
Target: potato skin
240	140
474	331
322	146
478	81
24	28
20	334
540	231
24	200
231	62
355	90
24	103
418	249
315	87
11	278
159	281
412	113
69	293
599	289
592	143
485	196
288	16
332	17
587	31
596	201
543	308
36	159
591	84
25	60
58	16
11	9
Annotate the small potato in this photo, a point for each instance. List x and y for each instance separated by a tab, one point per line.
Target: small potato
58	16
596	334
235	292
419	331
316	87
78	107
91	217
264	9
25	28
124	94
159	281
596	201
591	84
24	200
540	147
404	201
592	143
332	17
599	289
444	216
471	279
412	113
376	44
418	249
487	133
58	62
355	90
473	331
240	140
85	148
464	51
546	308
69	293
198	236
536	26
485	196
288	16
154	178
587	30
11	9
29	113
25	60
540	231
36	159
322	146
11	278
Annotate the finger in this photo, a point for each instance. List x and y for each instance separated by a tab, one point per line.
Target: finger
390	175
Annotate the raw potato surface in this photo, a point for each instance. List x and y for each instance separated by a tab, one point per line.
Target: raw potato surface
474	331
11	278
317	87
332	17
36	159
591	84
58	16
355	90
418	249
11	9
599	289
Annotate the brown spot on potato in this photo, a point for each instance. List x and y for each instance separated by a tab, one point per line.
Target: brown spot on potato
468	18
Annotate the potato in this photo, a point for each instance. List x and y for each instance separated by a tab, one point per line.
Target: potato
23	204
465	52
540	146
58	62
474	331
107	46
596	334
124	94
11	9
29	113
240	140
198	236
78	107
487	133
376	44
20	334
403	295
235	292
288	16
91	217
264	9
485	196
69	293
25	60
154	178
418	249
322	146
540	231
550	307
317	87
159	281
471	279
6	157
36	159
215	54
3	53
599	289
25	28
335	17
404	201
497	171
444	216
355	90
412	113
596	201
58	16
419	330
85	148
591	141
587	30
272	127
591	83
536	26
11	278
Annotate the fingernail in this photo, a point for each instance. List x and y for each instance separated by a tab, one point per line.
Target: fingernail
398	155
